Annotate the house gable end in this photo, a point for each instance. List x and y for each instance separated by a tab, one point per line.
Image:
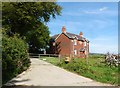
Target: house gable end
61	34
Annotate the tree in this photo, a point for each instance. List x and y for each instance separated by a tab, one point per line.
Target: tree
38	38
28	19
22	17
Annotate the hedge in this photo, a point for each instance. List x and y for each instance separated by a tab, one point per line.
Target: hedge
14	57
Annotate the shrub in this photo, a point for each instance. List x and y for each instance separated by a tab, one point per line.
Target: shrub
14	57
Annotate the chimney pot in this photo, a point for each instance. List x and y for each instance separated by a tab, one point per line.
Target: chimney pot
63	29
81	34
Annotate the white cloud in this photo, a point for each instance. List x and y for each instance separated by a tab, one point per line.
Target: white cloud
103	8
71	14
101	11
91	12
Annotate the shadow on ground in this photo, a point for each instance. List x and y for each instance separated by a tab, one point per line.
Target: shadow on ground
22	86
11	84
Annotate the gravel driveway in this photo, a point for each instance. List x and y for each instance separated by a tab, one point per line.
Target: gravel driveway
42	73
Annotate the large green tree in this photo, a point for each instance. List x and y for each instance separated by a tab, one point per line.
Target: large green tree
22	17
29	19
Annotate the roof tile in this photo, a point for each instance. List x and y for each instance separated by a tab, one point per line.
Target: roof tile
71	36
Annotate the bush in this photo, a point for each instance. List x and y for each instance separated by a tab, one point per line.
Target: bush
14	57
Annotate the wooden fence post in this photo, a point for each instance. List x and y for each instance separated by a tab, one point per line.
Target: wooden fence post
59	58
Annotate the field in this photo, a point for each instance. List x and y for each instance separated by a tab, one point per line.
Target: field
94	68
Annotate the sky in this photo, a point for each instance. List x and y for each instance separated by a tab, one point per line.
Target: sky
97	20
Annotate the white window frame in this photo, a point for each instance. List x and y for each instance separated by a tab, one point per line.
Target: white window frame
75	42
75	52
85	43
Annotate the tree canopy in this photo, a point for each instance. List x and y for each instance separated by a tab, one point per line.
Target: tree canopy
22	17
28	19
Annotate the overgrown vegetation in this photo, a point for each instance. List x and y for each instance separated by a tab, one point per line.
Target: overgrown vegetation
14	57
96	69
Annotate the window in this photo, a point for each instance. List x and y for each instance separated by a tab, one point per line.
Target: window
85	43
75	52
75	42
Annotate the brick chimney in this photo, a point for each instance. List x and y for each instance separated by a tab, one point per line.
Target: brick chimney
63	29
81	34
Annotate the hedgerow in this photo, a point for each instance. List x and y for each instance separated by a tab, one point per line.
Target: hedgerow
14	57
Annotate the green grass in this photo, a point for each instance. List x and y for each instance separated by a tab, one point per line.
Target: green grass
53	60
95	69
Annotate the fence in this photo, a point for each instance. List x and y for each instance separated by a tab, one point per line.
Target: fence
34	55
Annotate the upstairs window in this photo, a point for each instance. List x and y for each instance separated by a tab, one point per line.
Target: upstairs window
75	42
75	52
85	44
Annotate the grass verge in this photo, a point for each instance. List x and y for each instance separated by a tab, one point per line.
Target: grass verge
95	69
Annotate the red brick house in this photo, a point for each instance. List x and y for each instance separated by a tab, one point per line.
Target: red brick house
68	44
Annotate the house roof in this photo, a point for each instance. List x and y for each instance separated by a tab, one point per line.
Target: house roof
55	36
71	36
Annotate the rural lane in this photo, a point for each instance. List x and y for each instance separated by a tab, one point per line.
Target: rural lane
42	73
